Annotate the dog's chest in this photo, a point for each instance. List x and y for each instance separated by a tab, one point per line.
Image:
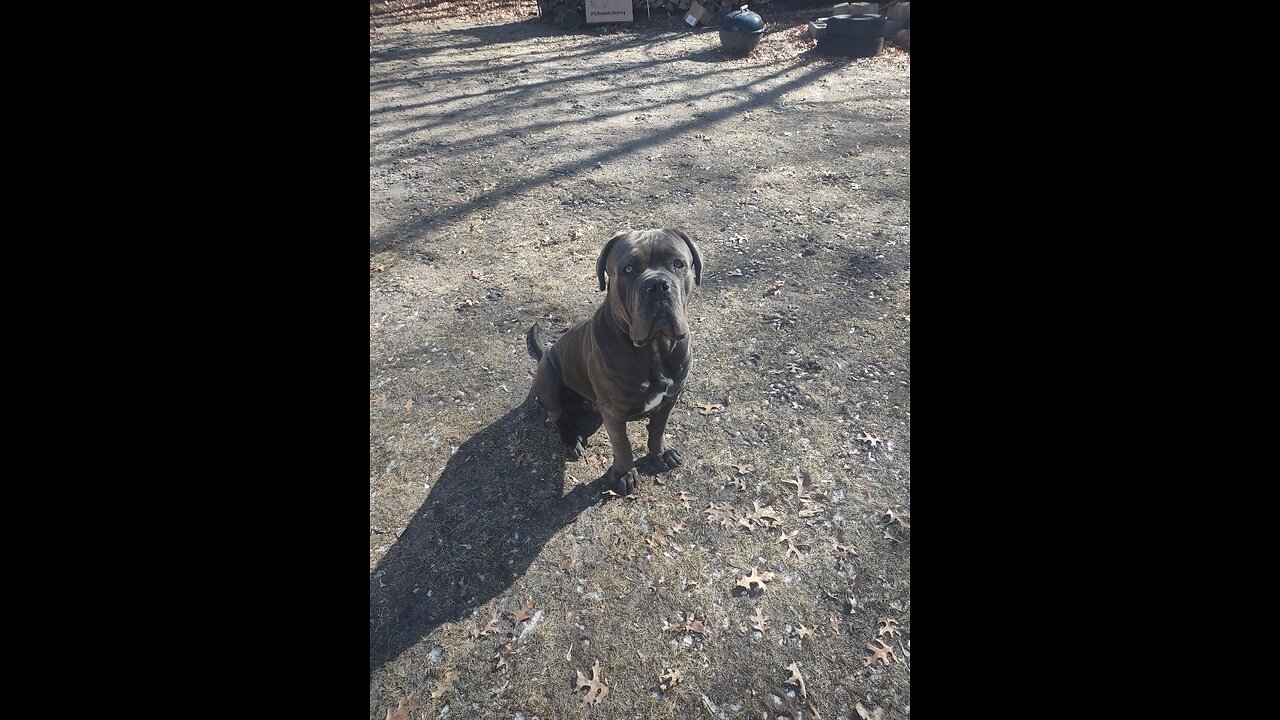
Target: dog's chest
655	392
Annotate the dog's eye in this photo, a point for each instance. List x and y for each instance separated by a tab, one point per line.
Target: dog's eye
679	263
627	269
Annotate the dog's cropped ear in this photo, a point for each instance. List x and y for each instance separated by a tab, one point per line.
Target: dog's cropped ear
604	257
693	250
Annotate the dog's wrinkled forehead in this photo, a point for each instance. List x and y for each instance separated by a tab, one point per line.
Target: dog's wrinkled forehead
643	248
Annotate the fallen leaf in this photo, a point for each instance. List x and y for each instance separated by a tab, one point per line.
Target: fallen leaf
378	268
743	469
798	483
888	536
722	514
462	586
877	714
567	565
760	621
675	529
835	624
670	678
883	652
766	516
477	275
740	483
446	685
690	584
596	689
656	540
895	517
492	626
889	626
814	710
524	613
711	409
378	400
796	679
402	709
870	439
500	657
684	498
804	632
755	578
409	405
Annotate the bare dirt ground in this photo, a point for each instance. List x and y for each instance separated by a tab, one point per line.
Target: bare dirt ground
503	153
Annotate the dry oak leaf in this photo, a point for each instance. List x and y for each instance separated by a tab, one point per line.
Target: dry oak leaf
870	439
670	678
524	613
409	405
889	626
835	623
889	536
656	540
877	714
477	275
446	685
895	517
684	498
500	657
690	584
740	483
804	632
675	529
722	513
596	689
767	516
755	578
744	468
796	679
378	400
710	409
492	626
760	621
402	709
883	652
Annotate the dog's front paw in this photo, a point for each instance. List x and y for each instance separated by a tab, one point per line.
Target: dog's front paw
624	482
666	460
575	450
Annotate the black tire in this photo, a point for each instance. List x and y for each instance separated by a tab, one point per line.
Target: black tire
570	20
850	47
856	26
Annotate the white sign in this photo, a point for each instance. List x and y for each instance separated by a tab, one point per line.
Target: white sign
604	11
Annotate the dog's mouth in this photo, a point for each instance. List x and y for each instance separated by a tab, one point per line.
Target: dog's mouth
663	331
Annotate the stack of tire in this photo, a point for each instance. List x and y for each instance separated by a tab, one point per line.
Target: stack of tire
853	36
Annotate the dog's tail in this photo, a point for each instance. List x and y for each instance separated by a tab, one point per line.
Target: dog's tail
536	341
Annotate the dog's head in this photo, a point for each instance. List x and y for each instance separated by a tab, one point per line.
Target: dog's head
651	274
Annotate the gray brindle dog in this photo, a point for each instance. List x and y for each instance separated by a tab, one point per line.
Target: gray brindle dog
629	360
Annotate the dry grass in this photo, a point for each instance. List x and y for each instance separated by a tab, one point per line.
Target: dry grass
492	190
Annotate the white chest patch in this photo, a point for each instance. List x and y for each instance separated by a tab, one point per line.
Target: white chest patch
654	401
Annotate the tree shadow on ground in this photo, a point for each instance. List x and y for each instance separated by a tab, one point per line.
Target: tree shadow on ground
486	519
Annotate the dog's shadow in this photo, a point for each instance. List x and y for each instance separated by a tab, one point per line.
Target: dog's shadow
498	500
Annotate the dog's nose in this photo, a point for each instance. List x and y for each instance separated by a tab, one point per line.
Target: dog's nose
658	284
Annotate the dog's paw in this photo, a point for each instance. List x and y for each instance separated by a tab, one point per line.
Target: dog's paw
624	482
668	460
575	450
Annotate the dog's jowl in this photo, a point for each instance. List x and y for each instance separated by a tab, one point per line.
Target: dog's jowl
629	360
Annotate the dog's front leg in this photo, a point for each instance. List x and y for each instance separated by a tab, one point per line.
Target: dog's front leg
661	458
623	472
